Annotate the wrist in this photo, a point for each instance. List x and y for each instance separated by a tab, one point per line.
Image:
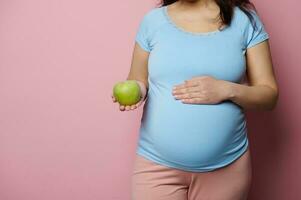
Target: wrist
230	90
143	89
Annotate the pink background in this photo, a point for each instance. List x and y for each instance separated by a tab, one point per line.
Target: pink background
62	138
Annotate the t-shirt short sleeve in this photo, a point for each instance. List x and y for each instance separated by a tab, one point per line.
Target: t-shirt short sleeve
142	34
255	35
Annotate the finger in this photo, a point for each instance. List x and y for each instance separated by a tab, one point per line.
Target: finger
121	107
114	99
188	95
133	107
179	91
198	100
181	88
127	108
186	90
192	100
191	82
139	103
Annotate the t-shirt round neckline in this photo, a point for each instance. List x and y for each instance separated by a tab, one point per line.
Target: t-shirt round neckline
171	22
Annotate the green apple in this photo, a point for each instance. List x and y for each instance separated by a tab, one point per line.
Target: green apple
127	92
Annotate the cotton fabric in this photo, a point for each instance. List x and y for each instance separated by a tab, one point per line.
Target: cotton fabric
193	137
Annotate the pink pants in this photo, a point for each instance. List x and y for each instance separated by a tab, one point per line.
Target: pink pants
151	181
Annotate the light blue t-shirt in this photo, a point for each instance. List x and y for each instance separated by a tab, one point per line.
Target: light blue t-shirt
193	137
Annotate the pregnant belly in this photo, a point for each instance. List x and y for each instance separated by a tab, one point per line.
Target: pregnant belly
193	135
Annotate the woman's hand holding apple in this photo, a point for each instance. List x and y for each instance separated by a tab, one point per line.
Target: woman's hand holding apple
143	93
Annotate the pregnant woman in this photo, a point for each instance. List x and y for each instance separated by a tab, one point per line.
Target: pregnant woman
191	58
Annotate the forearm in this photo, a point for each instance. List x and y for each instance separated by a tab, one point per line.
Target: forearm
259	97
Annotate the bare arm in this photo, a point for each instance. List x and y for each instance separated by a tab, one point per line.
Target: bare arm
139	72
262	93
139	68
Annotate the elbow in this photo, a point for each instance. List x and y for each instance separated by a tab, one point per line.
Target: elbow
274	99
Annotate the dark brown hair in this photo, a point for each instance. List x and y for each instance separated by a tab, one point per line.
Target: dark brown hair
226	9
